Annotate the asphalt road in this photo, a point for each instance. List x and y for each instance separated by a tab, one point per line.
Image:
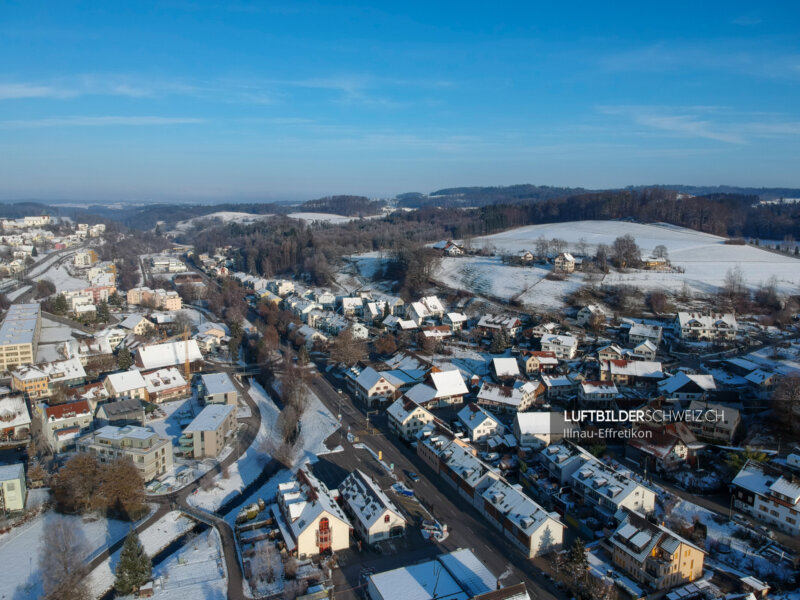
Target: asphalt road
468	529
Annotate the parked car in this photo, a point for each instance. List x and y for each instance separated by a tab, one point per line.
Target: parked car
412	476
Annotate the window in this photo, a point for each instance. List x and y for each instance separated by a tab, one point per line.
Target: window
386	519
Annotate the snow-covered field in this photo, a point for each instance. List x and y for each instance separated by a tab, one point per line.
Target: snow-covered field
20	549
320	217
154	539
195	572
704	257
317	424
225	216
489	276
63	281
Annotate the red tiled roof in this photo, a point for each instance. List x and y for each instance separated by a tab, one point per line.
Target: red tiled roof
61	411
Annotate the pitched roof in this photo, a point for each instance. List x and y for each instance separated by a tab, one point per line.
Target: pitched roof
67	410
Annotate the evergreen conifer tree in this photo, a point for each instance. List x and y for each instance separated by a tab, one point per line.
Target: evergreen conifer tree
134	568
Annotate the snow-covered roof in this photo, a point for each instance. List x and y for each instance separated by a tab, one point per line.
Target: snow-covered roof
533	423
9	472
126	381
305	499
113	433
132	321
169	353
368	378
638	537
559	340
504	394
505	367
210	417
423	581
402	409
598	387
365	499
517	507
713	320
634	368
766	480
730	416
473	416
612	485
163	380
13	412
217	383
680	379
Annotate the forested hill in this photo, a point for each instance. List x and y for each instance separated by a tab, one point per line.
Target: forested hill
483	196
347	206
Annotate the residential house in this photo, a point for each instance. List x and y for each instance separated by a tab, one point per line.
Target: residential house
651	554
540	361
489	325
168	354
645	350
15	421
564	263
589	313
505	368
769	495
31	381
562	459
151	454
64	423
126	384
13	491
440	388
206	435
711	327
640	332
375	516
374	388
598	394
137	324
166	384
718	423
563	346
218	388
509	398
129	411
314	521
539	429
608	490
631	372
455	321
560	387
664	448
480	424
686	386
407	418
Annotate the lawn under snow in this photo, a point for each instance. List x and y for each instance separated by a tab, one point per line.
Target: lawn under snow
195	572
705	257
321	217
62	279
154	539
20	549
225	216
317	424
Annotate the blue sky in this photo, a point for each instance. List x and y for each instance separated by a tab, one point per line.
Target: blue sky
263	101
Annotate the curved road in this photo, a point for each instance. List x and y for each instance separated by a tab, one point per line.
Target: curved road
178	500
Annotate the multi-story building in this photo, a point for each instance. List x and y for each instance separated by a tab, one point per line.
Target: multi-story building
406	418
640	332
64	423
598	394
440	388
563	346
206	435
768	494
509	398
654	555
13	492
540	361
313	518
479	423
85	258
374	515
374	388
608	490
711	327
718	423
217	388
564	263
15	421
127	384
631	372
32	382
151	454
167	384
19	335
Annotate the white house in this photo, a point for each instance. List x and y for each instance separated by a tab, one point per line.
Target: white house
563	346
440	388
479	423
13	492
407	418
314	520
711	327
769	495
375	516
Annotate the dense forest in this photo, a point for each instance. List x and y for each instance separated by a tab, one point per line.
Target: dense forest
484	196
348	206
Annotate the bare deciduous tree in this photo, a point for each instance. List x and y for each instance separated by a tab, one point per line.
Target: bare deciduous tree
61	563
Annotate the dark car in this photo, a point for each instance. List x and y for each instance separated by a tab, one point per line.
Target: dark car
412	476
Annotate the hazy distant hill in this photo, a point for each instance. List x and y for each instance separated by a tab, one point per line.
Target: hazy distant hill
695	190
483	196
347	206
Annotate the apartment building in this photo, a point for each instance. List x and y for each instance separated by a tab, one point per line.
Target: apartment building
654	555
151	454
19	335
768	494
710	327
167	384
563	346
206	435
127	384
608	490
64	423
13	491
217	388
